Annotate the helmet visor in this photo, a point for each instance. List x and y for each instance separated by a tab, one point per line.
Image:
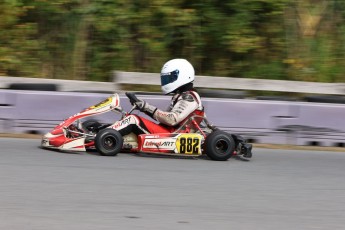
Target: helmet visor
167	78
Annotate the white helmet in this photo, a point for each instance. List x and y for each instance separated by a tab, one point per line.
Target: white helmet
176	73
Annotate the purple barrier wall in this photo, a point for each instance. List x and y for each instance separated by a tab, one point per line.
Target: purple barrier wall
317	124
7	110
38	111
278	122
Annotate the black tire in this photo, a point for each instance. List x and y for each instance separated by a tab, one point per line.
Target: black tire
219	146
90	125
108	142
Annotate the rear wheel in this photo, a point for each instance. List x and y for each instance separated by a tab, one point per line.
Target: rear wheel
219	145
108	142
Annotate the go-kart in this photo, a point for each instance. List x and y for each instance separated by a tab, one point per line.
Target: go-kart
193	138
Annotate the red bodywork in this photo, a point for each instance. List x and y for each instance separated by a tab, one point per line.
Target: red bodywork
67	136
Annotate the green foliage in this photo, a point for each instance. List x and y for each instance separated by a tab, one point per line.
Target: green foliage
17	46
84	39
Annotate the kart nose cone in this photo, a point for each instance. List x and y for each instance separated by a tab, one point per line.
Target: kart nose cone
44	142
52	141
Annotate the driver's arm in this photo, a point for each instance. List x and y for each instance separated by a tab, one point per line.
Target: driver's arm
183	107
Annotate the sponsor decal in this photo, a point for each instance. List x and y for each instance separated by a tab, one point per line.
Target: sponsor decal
167	116
164	114
189	143
182	105
102	104
123	122
187	97
160	144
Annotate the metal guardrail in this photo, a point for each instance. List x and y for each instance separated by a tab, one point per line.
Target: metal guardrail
120	77
63	85
237	83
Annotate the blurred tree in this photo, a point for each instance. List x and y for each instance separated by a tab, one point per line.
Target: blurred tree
17	45
57	22
243	38
315	34
84	39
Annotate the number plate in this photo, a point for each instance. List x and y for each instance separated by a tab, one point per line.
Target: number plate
189	143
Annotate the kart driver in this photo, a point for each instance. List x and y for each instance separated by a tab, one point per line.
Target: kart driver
177	76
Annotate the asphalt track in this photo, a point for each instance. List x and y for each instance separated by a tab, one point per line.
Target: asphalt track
277	189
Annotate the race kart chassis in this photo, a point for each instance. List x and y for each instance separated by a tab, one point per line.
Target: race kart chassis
195	137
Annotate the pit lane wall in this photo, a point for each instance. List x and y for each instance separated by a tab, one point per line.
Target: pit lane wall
273	122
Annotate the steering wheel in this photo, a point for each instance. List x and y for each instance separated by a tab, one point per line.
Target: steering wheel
132	98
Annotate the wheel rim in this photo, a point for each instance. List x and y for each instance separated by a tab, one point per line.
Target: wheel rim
109	142
222	146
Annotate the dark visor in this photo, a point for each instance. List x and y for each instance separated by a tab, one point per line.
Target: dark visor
168	78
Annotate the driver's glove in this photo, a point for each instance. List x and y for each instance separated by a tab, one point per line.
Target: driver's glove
145	107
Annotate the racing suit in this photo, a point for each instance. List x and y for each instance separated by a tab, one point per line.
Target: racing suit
182	106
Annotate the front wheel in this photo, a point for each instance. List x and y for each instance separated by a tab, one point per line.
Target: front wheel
219	145
108	142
